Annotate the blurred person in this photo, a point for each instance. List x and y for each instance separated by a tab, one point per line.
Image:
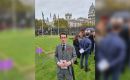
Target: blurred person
94	41
76	46
123	17
101	27
125	35
91	37
81	35
129	40
99	36
111	53
65	56
85	48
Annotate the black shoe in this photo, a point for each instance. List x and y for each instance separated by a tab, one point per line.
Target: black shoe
76	62
86	69
81	67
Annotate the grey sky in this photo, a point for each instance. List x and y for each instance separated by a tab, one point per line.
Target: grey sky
78	8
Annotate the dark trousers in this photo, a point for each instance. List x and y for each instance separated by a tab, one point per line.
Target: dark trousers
114	73
97	73
64	75
82	57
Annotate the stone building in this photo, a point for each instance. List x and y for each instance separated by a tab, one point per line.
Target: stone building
91	15
75	22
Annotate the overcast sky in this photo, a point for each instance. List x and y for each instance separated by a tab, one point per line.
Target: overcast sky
78	8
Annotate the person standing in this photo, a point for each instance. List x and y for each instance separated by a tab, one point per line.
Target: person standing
85	49
111	53
91	37
65	56
76	46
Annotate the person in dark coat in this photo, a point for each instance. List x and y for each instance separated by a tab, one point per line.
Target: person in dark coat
85	48
76	45
111	54
91	37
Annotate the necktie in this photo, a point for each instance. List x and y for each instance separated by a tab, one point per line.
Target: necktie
63	47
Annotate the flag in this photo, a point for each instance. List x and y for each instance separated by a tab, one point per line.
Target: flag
42	16
54	17
58	16
50	15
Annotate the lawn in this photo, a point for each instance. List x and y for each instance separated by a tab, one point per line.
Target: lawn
18	45
45	63
45	68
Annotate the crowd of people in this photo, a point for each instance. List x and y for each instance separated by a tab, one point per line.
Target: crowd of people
84	44
112	46
109	41
66	55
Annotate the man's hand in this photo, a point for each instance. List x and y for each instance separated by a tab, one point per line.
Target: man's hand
60	64
64	63
103	65
81	51
68	63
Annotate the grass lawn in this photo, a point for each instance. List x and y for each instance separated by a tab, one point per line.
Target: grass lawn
19	46
45	63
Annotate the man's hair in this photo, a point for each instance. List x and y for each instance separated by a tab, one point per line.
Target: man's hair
63	33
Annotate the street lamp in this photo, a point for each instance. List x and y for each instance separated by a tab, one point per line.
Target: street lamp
14	13
58	24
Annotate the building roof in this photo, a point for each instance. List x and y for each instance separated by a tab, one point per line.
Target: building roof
91	8
68	14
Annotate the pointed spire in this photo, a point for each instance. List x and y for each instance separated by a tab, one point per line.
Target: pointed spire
54	17
92	3
50	15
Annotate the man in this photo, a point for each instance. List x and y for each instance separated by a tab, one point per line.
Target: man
76	41
100	33
111	53
85	49
65	56
91	37
76	46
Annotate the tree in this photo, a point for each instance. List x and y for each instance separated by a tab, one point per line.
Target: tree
61	23
38	23
87	25
19	6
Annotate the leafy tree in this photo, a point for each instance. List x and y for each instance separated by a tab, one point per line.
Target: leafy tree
62	23
19	6
38	23
87	25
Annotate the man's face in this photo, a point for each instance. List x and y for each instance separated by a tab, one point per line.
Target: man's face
63	38
81	34
93	33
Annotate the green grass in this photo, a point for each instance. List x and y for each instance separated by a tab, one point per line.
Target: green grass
45	63
18	45
46	67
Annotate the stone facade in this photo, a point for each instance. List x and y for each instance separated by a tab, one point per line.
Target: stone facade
91	15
